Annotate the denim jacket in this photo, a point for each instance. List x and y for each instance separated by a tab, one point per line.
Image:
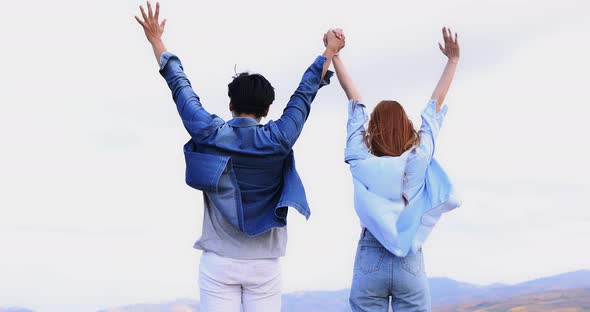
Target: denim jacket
247	169
381	182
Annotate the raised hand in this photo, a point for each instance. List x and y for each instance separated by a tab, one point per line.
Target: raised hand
451	48
334	40
151	26
338	33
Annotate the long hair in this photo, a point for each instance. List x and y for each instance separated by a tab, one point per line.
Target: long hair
390	131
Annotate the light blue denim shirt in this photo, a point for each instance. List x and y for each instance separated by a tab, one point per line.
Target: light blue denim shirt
245	168
379	183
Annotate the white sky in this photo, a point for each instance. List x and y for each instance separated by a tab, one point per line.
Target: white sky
94	211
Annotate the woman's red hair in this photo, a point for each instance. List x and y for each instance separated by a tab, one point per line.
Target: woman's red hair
390	131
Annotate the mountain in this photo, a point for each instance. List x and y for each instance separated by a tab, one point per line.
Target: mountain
564	292
446	291
571	300
316	301
15	309
180	305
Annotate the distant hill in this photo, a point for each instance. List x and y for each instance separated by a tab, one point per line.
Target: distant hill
316	301
15	309
446	293
181	305
571	300
564	292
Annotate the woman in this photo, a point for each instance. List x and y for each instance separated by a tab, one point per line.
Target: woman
400	192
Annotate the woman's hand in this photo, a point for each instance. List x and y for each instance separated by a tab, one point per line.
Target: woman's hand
334	40
151	26
451	48
338	34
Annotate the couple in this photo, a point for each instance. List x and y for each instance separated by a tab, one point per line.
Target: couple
247	173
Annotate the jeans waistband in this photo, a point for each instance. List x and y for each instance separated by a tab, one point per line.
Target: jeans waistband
367	236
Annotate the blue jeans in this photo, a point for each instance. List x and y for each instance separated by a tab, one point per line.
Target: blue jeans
379	275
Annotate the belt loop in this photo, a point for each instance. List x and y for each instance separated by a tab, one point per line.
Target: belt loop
363	233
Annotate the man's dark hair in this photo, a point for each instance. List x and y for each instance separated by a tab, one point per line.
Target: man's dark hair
250	94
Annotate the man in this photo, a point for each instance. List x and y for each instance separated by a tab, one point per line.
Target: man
247	173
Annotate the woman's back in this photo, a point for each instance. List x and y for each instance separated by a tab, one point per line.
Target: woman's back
400	192
421	155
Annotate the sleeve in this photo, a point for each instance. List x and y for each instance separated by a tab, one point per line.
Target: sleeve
295	114
356	149
431	124
194	117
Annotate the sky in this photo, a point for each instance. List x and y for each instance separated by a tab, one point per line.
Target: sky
94	209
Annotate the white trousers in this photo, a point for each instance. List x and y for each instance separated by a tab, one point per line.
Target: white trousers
226	284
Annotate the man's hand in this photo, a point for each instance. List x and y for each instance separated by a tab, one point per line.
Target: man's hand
334	40
152	28
451	48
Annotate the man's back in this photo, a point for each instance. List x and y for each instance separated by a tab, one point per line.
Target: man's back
257	155
247	174
259	158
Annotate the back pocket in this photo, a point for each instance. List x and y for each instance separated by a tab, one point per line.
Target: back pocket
413	264
370	258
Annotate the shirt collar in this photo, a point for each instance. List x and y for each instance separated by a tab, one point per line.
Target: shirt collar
242	122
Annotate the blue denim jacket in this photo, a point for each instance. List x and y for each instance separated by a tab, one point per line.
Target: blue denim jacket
247	169
379	183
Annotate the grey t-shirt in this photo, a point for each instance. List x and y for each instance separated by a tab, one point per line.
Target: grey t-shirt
225	240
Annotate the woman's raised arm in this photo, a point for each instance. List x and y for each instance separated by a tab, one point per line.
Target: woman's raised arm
451	51
343	76
345	80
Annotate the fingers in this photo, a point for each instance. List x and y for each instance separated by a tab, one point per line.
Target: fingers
157	14
334	38
450	36
163	24
143	13
456	39
331	35
150	13
441	48
139	21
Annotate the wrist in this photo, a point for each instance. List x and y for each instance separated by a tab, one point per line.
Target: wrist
454	60
156	41
329	53
333	50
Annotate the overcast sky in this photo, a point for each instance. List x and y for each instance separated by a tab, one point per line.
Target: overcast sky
94	211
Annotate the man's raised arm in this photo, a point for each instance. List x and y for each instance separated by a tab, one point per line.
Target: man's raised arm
194	117
153	28
295	114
